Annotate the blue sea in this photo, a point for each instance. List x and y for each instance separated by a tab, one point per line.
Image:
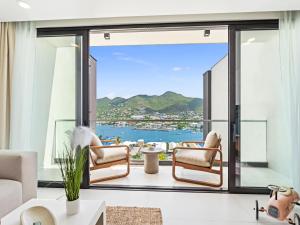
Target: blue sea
130	134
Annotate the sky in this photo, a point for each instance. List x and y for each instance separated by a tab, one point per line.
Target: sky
125	71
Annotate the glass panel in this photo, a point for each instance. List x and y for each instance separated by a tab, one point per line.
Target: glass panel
58	64
262	155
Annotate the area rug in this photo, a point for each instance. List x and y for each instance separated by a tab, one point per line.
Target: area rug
118	215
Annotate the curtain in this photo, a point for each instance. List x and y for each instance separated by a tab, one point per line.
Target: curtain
22	86
290	74
7	42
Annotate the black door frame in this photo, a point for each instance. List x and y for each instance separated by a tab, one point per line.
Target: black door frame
234	113
233	26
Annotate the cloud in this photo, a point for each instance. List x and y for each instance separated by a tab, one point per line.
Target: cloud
118	53
111	95
179	68
123	57
135	60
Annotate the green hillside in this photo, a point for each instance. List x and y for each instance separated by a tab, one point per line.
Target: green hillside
169	102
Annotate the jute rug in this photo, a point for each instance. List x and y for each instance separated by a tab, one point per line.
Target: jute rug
118	215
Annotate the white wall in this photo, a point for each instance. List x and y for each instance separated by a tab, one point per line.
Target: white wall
62	104
261	99
219	101
53	96
253	138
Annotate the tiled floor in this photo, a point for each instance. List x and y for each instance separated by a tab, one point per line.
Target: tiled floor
259	177
250	176
164	178
182	208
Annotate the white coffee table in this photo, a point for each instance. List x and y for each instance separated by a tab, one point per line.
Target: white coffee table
92	212
151	164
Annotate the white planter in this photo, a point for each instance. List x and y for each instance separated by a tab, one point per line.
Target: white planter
72	207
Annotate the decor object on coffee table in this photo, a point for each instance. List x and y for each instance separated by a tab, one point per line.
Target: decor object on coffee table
38	215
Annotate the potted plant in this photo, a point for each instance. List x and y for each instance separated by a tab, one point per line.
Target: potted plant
71	166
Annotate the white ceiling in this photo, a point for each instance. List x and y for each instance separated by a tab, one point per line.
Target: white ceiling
78	9
159	37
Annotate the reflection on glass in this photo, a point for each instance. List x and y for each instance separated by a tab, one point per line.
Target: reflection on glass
263	155
57	66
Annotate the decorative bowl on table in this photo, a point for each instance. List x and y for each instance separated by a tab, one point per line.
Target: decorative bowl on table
38	215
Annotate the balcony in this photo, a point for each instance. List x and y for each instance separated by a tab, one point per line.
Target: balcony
254	168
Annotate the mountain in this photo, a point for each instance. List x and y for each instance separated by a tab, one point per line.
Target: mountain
169	102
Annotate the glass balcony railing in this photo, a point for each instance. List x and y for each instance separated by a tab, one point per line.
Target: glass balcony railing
168	133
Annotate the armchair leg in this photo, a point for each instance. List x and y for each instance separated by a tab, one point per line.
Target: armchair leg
112	177
209	184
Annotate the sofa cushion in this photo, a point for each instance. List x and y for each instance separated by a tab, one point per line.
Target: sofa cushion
112	154
10	196
193	157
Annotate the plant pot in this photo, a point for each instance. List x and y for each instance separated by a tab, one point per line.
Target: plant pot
72	207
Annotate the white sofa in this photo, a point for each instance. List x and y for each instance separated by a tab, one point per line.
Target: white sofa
18	179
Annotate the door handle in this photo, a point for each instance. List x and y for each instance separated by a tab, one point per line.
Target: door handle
233	132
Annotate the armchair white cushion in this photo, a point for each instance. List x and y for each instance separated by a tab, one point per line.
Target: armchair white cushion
98	153
112	154
193	157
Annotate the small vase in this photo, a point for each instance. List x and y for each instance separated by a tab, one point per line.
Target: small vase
72	207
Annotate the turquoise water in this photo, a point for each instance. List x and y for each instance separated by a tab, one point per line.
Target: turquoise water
131	134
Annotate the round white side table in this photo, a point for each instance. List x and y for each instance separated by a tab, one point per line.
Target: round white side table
151	163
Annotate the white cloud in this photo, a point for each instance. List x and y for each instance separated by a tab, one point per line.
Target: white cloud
118	53
135	60
122	56
111	95
179	68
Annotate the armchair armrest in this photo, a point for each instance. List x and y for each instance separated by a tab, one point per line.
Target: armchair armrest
22	167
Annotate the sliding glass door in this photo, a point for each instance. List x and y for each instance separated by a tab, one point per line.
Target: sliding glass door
258	155
58	102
